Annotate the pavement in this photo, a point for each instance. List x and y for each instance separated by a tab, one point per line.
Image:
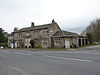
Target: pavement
23	62
95	47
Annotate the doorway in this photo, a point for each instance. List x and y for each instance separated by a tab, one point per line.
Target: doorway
67	44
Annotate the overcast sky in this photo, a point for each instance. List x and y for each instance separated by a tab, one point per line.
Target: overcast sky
71	15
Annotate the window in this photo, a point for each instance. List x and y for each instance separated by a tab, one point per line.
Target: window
57	40
45	41
20	34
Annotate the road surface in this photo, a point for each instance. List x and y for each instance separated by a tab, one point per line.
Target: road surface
22	62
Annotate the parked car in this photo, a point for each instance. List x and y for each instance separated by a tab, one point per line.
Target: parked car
1	47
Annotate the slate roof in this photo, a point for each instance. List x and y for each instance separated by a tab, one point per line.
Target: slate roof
65	34
70	33
45	26
58	33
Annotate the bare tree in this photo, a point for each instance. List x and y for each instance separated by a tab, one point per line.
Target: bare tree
94	30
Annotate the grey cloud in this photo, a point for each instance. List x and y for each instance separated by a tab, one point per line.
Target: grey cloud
19	13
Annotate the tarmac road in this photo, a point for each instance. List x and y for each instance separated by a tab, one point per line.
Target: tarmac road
22	62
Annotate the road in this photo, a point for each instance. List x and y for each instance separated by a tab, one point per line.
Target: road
23	62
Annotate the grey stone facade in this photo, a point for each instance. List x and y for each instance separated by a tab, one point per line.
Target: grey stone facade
44	36
40	34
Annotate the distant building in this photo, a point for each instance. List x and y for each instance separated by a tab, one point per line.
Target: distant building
45	36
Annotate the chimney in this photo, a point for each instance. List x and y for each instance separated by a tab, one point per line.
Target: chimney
15	29
32	24
53	21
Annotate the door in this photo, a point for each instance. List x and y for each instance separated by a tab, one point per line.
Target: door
12	46
67	44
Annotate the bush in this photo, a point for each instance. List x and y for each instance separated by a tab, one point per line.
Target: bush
32	43
37	46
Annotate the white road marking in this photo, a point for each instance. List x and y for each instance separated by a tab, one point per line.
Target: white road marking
68	58
22	53
5	51
16	53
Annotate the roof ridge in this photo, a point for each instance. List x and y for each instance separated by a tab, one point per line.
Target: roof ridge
35	27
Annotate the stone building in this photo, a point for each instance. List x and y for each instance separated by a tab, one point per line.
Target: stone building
10	40
45	36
